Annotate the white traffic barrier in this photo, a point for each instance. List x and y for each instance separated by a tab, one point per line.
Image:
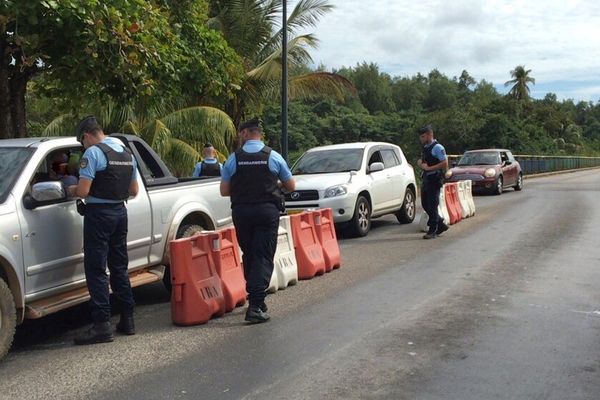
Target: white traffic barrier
285	272
462	199
469	195
443	208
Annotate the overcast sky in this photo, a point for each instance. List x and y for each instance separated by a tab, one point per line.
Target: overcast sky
559	40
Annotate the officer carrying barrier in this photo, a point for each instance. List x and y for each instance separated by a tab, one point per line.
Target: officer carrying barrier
285	272
325	229
462	200
469	196
309	253
452	202
225	252
196	294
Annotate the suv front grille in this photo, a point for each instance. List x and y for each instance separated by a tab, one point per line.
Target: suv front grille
302	195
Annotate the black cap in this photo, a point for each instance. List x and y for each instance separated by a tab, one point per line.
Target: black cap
252	123
87	124
427	128
207	145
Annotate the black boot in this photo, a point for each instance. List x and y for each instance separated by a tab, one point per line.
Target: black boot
442	227
263	307
430	235
100	332
255	315
126	325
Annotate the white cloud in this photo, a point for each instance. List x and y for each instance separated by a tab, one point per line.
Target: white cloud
558	40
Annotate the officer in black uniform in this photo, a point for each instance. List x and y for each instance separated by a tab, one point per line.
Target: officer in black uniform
108	176
252	177
433	162
209	166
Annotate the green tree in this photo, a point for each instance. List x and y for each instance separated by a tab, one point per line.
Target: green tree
374	88
520	83
128	50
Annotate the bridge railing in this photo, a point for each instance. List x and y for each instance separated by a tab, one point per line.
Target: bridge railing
532	164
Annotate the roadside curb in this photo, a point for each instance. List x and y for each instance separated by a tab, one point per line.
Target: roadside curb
565	171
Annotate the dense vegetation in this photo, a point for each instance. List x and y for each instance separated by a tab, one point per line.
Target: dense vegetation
182	72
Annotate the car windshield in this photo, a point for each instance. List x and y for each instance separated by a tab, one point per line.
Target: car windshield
12	161
480	158
328	161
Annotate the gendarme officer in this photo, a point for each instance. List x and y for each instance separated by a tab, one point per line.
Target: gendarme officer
108	176
209	166
433	162
252	177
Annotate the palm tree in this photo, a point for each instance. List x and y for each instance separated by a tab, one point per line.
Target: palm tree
521	78
252	29
176	134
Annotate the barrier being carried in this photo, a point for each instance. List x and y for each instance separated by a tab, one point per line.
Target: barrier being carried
325	230
469	196
462	200
285	271
225	253
196	294
309	253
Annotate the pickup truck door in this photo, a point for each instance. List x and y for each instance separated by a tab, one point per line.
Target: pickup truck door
52	239
380	182
139	234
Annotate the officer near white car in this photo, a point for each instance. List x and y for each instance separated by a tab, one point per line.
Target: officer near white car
252	177
433	162
108	176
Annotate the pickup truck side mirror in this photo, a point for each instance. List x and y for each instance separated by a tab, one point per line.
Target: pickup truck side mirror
44	193
376	166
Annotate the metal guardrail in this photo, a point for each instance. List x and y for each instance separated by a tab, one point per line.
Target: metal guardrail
531	164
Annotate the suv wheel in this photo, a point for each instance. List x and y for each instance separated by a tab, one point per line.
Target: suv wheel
361	221
8	318
184	231
406	214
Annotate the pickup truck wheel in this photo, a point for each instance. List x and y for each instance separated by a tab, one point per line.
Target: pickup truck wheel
361	221
8	318
184	231
406	214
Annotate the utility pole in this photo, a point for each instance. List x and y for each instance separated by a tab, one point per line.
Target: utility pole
284	85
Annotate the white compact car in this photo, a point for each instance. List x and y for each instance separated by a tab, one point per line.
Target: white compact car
358	181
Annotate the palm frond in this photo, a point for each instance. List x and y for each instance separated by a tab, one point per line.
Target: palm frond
130	128
181	158
270	67
158	136
62	125
311	86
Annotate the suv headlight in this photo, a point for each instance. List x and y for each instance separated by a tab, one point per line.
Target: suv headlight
334	191
448	174
489	173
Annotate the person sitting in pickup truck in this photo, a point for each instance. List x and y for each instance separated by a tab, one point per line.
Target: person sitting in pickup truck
108	176
209	166
59	170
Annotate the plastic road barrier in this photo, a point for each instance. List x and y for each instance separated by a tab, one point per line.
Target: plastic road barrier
442	207
462	200
469	196
196	294
309	253
452	202
325	229
285	272
225	252
423	222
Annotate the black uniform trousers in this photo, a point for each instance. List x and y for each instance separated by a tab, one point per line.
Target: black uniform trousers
256	227
430	200
105	242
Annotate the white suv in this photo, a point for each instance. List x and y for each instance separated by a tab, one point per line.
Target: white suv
358	181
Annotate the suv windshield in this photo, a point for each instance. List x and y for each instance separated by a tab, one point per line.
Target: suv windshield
12	161
480	158
328	161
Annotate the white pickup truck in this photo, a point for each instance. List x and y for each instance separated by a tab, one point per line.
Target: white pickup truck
358	181
41	233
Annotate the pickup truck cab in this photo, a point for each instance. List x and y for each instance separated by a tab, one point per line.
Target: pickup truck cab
41	232
358	181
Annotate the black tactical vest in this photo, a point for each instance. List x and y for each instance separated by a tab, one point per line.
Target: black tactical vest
253	181
113	182
210	169
428	157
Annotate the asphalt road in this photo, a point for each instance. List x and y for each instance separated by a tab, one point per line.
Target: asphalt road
505	305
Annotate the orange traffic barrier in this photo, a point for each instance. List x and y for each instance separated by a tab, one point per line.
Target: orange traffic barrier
225	252
196	294
309	253
452	202
325	229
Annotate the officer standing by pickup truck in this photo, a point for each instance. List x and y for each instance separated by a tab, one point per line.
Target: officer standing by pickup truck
252	177
433	162
108	176
209	166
